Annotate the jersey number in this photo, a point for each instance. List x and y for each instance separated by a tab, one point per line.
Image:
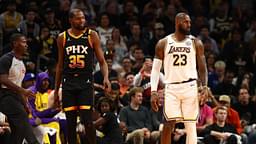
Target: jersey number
179	60
76	61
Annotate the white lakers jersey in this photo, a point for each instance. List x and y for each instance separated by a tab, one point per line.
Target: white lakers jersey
180	59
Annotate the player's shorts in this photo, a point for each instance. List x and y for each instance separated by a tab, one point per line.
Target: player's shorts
78	99
181	101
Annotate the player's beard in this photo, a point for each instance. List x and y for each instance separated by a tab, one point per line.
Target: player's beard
79	27
183	30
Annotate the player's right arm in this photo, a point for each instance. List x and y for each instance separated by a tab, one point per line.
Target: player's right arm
59	66
155	73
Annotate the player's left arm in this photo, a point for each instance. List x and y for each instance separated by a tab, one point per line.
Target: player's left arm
201	62
95	40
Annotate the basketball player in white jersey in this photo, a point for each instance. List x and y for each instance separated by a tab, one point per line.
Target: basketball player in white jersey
181	55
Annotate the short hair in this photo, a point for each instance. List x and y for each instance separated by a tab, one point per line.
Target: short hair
221	108
127	74
134	90
180	16
147	57
115	86
14	37
72	12
126	57
220	63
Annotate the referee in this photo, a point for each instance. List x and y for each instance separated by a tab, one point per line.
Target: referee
12	95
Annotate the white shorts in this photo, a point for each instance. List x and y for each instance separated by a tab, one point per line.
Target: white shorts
181	101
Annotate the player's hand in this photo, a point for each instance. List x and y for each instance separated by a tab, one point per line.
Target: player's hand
154	101
107	85
56	99
27	93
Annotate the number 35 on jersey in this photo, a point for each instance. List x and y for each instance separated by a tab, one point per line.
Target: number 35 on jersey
76	55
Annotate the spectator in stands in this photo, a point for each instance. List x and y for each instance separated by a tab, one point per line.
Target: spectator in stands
207	46
251	67
251	32
41	113
63	9
245	107
220	131
142	79
86	7
98	77
114	96
130	12
127	65
107	122
220	23
157	35
112	52
29	80
113	11
52	22
168	19
138	59
210	60
29	27
136	118
129	80
104	29
31	30
226	86
218	75
205	34
119	44
198	22
5	130
205	116
245	80
47	48
137	37
232	115
9	20
234	49
157	118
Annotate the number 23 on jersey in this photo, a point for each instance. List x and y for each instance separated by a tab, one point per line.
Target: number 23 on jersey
179	59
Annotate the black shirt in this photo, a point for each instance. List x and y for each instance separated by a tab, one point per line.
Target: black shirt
215	127
135	119
111	129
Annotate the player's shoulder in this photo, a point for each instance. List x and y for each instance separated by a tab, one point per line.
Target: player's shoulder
192	37
91	31
62	34
164	39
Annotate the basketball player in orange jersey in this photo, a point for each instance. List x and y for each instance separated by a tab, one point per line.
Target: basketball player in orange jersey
76	49
181	55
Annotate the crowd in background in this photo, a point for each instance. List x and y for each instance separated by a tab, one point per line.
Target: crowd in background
129	31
